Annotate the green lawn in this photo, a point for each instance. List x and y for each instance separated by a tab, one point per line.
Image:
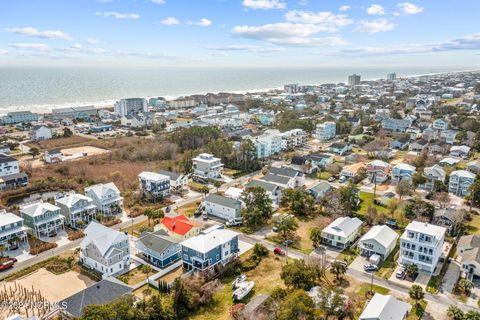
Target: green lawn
474	226
417	313
387	267
348	255
367	202
323	175
365	287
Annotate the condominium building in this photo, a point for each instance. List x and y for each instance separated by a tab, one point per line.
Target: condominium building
18	117
422	244
207	166
325	131
354	80
130	106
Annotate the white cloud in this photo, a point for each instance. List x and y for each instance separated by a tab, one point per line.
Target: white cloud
409	8
375	26
170	21
92	41
76	46
293	34
158	1
30	46
344	8
469	42
117	15
3	52
264	4
245	47
375	9
329	21
47	34
203	22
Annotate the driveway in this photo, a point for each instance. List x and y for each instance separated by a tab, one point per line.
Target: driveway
330	252
422	279
451	277
358	263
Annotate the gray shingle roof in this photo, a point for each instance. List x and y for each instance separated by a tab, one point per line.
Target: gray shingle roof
158	241
102	292
221	200
270	187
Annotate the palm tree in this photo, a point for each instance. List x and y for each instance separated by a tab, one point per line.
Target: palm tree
316	236
393	205
338	268
149	213
465	285
472	315
204	190
147	269
412	270
416	293
286	225
455	313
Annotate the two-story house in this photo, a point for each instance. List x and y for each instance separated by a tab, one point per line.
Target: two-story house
460	182
380	240
440	124
212	246
402	171
159	248
77	209
10	175
8	165
433	174
104	249
342	232
422	244
41	132
106	197
12	230
154	185
273	190
378	171
43	219
340	148
207	166
468	253
222	207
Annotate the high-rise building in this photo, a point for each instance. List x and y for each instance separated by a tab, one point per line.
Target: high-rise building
353	80
392	76
291	88
130	106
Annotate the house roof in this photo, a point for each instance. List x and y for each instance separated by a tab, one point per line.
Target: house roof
321	186
70	199
404	166
382	234
102	236
209	239
285	172
471	255
5	158
38	208
276	179
471	241
435	170
171	174
102	189
158	241
7	218
425	228
343	226
270	187
223	201
463	174
385	307
299	160
379	163
153	176
180	225
451	214
105	291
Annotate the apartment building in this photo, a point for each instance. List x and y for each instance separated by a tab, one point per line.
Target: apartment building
130	106
325	131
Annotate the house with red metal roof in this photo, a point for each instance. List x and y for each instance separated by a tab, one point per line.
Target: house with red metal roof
179	227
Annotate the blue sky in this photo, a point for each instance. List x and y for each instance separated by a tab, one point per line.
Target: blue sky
240	32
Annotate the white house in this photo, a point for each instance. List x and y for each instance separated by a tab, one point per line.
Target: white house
422	244
468	250
385	307
432	174
342	232
8	165
41	132
106	197
460	182
222	207
273	190
380	240
207	166
325	131
104	249
178	181
53	156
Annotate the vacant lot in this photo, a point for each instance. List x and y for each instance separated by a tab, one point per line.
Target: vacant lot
60	143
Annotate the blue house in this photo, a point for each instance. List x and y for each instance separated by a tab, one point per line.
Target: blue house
211	247
402	171
400	143
266	119
159	248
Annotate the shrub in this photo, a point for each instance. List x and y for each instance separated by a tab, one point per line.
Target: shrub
42	248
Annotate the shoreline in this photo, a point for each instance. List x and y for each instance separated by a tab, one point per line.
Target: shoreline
109	103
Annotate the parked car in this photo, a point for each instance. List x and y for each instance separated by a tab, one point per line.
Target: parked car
400	274
279	251
331	179
7	264
370	267
205	216
234	222
342	179
340	261
275	229
167	209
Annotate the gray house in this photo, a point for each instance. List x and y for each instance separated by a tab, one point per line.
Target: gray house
77	209
222	207
319	190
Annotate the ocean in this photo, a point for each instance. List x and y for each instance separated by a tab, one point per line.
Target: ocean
40	89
